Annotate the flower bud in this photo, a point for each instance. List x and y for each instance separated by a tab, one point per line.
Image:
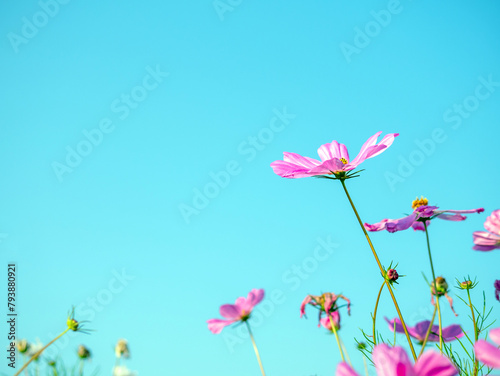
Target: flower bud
439	286
83	352
466	285
22	346
121	349
392	275
361	346
72	324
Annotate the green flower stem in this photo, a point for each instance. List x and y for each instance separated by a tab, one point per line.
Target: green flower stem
428	331
476	333
435	289
39	352
255	348
375	314
345	352
381	271
81	367
334	330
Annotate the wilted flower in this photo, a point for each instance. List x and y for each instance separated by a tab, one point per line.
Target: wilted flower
22	346
326	302
421	213
394	361
121	349
334	159
439	287
486	352
497	289
487	241
239	311
419	331
123	371
83	352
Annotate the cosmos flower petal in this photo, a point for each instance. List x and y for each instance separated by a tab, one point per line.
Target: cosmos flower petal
495	335
328	167
333	150
432	363
487	353
344	369
492	223
299	160
289	170
391	361
485	238
216	325
229	311
305	302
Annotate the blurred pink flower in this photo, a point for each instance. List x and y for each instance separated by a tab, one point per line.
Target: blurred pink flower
325	321
239	311
487	241
395	362
421	213
326	302
497	289
486	352
450	333
334	159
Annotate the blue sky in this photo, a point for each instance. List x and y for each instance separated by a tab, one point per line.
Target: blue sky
117	117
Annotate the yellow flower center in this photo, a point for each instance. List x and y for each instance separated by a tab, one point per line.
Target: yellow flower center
343	160
418	202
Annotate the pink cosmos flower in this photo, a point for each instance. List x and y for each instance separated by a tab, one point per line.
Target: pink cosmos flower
421	213
487	241
395	362
334	159
239	311
326	302
486	352
450	333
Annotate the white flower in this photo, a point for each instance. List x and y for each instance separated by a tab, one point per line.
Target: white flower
123	371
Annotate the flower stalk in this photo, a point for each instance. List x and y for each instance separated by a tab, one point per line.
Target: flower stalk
39	352
256	349
375	313
381	270
435	288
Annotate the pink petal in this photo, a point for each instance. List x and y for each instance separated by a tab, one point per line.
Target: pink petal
419	226
328	167
434	364
391	361
254	297
289	170
300	160
230	311
303	305
495	335
377	226
485	248
333	150
451	217
485	238
216	325
401	223
399	328
487	353
344	369
492	223
371	149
